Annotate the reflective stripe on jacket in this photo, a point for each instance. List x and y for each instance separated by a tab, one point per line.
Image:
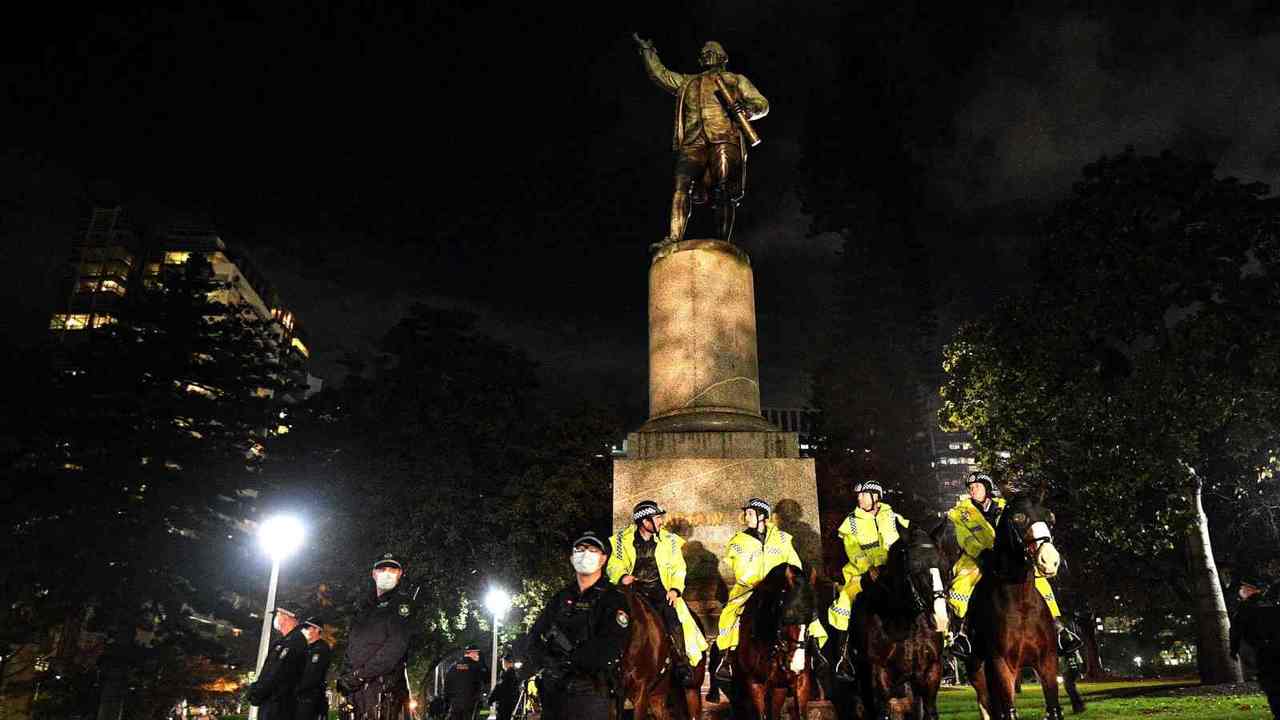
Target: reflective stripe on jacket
667	555
867	538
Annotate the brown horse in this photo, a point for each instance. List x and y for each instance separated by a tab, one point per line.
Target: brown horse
898	624
1011	624
647	679
771	657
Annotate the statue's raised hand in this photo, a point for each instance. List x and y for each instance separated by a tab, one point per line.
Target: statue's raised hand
644	44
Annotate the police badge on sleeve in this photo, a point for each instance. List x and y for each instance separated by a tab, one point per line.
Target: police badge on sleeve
623	620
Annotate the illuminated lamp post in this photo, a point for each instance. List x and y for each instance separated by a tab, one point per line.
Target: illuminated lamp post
279	536
499	602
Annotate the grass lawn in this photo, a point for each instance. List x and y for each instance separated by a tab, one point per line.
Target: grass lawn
1119	701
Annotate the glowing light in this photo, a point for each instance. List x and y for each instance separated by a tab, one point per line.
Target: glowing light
498	601
280	535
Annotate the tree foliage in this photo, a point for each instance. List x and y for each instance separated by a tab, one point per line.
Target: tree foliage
438	449
1141	370
132	459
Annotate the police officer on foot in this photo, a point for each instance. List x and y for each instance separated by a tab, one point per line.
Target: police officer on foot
648	558
462	684
1255	623
312	703
379	642
579	639
274	690
505	694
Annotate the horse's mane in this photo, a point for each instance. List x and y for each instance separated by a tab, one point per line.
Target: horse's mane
890	592
1006	559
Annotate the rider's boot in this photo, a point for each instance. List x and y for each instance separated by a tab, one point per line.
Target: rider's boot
1068	642
846	669
725	671
713	661
960	646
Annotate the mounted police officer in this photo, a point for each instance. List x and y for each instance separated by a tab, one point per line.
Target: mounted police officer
752	553
312	702
462	684
867	534
273	691
975	519
379	642
1257	622
648	558
579	639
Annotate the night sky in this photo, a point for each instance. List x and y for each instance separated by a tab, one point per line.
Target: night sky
513	159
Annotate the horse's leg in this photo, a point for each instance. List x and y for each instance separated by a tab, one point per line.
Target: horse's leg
756	695
777	696
804	690
1000	675
978	676
1048	671
882	684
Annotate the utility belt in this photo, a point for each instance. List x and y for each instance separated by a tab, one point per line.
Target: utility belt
562	677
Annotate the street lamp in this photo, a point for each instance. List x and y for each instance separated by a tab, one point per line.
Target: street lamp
499	602
279	536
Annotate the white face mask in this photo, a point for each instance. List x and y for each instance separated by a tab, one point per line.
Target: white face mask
586	562
386	581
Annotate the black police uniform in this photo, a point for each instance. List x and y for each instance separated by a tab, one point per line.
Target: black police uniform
462	686
273	691
1257	622
378	645
648	583
312	703
579	640
506	693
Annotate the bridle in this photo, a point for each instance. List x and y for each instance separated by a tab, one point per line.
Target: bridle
917	598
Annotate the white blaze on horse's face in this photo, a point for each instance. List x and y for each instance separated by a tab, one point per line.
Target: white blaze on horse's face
1047	557
797	657
939	603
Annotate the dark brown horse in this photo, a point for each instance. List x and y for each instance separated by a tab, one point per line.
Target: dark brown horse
1009	620
647	677
771	659
898	625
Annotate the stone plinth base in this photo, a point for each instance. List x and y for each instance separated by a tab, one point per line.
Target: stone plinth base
704	496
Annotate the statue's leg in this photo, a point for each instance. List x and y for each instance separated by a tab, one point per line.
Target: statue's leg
691	161
726	189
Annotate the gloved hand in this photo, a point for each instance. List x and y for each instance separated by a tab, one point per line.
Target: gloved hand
349	683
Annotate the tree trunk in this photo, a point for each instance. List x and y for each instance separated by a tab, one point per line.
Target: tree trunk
1212	625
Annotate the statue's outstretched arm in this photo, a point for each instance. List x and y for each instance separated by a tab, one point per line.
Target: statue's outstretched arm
661	76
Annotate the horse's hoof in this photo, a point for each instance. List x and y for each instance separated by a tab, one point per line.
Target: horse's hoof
1077	709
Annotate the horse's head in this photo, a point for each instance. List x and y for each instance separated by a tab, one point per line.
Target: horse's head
918	562
782	606
1027	525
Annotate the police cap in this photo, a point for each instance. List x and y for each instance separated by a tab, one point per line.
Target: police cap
590	538
388	560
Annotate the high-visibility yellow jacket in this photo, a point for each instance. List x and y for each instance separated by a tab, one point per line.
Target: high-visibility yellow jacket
667	555
973	532
867	538
751	560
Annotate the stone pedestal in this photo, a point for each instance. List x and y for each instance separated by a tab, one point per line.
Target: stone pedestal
705	448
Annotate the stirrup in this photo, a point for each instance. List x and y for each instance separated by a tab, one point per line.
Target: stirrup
725	671
1068	642
844	669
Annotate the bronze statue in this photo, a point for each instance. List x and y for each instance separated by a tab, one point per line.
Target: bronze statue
714	110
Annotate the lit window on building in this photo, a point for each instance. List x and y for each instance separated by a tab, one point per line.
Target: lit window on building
176	257
953	446
113	286
64	321
104	320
